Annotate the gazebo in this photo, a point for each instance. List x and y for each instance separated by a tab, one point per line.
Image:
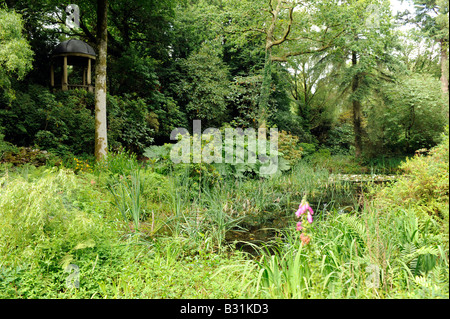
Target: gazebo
79	56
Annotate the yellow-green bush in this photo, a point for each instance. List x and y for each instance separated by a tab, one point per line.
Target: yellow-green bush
424	187
289	146
44	214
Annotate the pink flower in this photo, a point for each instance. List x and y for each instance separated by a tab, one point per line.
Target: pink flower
300	211
304	206
299	226
310	218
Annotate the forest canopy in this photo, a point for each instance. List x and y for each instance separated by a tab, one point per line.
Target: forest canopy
354	77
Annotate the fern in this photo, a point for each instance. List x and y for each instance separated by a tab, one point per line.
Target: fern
410	255
356	226
408	250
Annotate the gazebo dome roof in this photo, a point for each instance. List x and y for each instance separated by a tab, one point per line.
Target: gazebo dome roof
74	46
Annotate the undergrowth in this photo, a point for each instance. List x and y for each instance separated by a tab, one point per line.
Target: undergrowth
132	231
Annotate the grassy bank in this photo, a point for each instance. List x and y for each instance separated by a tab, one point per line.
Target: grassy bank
137	231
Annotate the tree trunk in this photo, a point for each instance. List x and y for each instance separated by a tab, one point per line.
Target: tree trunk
265	92
444	65
101	141
357	129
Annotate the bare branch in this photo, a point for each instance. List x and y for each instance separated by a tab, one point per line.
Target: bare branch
284	57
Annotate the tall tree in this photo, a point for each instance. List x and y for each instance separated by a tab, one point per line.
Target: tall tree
366	43
311	85
205	85
432	18
406	115
101	140
289	27
15	52
356	107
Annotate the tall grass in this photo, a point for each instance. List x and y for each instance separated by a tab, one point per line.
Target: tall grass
219	214
286	274
183	220
365	254
393	244
127	191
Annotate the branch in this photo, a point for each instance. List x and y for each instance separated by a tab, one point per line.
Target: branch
304	38
86	31
284	58
247	30
315	40
271	7
287	31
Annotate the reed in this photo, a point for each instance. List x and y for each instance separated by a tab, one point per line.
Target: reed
127	191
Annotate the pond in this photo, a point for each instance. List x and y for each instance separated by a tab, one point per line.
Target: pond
343	193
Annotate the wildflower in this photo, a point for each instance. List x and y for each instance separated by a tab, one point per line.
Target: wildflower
310	219
300	210
299	226
305	239
304	206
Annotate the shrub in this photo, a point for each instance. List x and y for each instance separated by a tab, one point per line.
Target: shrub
60	122
293	124
290	147
5	146
424	188
26	155
130	123
203	172
63	122
308	149
340	139
410	116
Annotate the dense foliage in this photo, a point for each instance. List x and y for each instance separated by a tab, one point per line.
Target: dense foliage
207	63
124	226
361	108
